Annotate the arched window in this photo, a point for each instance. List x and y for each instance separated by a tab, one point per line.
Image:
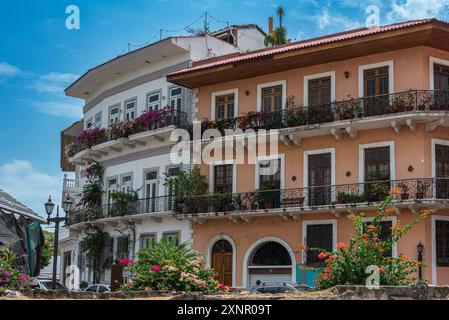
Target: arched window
271	254
222	246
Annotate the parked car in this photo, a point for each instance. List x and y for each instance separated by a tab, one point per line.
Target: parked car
47	284
273	288
98	288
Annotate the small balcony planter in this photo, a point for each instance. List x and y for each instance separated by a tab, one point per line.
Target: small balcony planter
421	189
91	137
404	191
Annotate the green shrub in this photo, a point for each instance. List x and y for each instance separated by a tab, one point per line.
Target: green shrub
165	266
349	263
10	276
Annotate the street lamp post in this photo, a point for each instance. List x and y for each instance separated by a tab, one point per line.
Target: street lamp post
49	206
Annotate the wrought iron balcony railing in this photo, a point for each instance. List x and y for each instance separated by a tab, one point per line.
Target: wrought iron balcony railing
121	209
311	198
148	121
408	101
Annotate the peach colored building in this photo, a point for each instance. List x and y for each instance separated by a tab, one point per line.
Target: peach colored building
374	114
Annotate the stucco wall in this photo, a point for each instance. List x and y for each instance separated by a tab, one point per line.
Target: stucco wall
245	234
411	71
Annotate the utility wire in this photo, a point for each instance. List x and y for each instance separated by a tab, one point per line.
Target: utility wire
205	17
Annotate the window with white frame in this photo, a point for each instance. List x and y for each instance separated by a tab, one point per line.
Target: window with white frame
126	183
122	247
176	98
89	124
318	236
130	109
442	242
97	122
154	101
112	187
147	240
173	237
114	114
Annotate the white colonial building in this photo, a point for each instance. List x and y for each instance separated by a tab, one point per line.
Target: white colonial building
119	90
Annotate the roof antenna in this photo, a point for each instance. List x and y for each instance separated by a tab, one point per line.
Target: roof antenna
206	23
160	34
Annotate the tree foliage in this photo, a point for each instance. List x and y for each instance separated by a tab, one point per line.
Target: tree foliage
279	35
47	249
92	246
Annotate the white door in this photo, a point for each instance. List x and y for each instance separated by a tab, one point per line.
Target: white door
151	183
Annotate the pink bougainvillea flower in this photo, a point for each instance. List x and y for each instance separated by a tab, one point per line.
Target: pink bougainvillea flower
126	261
156	268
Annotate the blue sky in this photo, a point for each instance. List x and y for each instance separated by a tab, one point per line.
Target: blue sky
39	57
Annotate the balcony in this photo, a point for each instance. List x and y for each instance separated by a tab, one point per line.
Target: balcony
336	198
394	109
70	185
415	193
151	128
118	211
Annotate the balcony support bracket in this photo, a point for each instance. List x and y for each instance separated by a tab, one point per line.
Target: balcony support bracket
396	126
336	132
352	132
411	124
430	126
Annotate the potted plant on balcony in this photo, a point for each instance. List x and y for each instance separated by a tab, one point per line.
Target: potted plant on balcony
349	109
219	202
123	203
268	194
187	188
123	129
405	189
421	188
71	149
296	117
91	137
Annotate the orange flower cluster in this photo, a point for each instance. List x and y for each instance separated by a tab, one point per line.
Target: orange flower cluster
301	246
390	211
397	229
395	192
342	245
322	255
426	213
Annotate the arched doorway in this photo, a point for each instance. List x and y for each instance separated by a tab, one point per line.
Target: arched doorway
221	261
269	262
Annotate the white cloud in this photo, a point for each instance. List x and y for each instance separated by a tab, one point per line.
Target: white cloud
417	9
28	185
8	70
53	82
334	21
66	109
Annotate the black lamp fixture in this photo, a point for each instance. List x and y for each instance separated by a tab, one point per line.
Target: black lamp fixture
67	204
49	206
347	74
420	248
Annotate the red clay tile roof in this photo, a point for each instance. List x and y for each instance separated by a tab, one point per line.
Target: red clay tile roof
257	54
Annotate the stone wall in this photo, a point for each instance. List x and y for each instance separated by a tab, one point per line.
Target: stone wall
419	291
